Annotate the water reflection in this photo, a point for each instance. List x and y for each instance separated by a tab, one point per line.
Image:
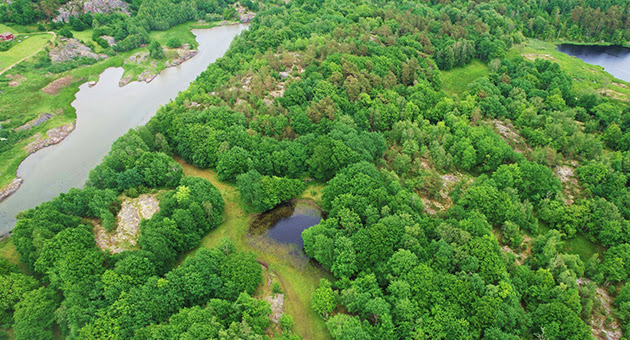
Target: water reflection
285	223
614	59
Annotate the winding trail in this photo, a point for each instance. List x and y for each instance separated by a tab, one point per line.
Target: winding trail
32	54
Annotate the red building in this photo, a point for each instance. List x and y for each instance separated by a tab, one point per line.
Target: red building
6	36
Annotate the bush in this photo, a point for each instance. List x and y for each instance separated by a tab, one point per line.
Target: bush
155	50
64	32
173	42
276	288
286	322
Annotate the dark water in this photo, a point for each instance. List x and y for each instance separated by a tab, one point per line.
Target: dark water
614	59
285	223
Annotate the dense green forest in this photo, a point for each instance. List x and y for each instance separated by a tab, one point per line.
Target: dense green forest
350	94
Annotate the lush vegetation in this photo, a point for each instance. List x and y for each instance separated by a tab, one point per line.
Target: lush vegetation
448	205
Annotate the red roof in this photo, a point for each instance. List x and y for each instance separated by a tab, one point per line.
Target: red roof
6	36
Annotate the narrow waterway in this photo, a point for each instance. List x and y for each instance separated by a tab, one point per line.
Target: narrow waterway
614	59
104	113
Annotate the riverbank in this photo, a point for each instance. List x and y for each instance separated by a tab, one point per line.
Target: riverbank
29	91
298	279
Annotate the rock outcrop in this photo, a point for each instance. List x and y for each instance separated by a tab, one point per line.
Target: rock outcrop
132	211
77	7
53	136
183	56
44	117
10	188
70	48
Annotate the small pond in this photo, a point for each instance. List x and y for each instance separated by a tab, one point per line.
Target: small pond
285	223
614	59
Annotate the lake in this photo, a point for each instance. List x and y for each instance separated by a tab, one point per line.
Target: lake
104	113
614	59
285	223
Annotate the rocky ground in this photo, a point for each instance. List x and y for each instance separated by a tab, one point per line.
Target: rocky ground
10	188
53	136
70	48
132	211
77	7
44	117
16	79
183	54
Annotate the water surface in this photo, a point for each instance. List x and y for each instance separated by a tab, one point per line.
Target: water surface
614	59
104	113
285	224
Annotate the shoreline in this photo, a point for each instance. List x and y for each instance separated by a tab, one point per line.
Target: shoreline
58	134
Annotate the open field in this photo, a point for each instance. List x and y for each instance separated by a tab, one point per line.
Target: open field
298	279
456	80
24	49
5	28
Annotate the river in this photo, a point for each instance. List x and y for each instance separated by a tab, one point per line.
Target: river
614	59
104	113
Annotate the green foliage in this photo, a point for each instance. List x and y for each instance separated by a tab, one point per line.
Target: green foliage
155	50
286	322
324	299
34	314
233	162
13	286
275	289
351	94
264	192
173	42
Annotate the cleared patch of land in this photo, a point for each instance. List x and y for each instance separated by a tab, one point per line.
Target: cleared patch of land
456	80
125	237
28	47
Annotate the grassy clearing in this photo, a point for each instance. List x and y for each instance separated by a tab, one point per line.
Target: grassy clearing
586	77
456	80
182	32
583	247
298	278
5	28
23	49
8	251
85	36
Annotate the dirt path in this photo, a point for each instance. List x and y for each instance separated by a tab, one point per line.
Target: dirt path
32	54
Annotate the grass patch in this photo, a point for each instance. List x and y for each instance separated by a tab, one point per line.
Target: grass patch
8	251
456	80
21	50
298	279
5	28
181	31
85	36
583	247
